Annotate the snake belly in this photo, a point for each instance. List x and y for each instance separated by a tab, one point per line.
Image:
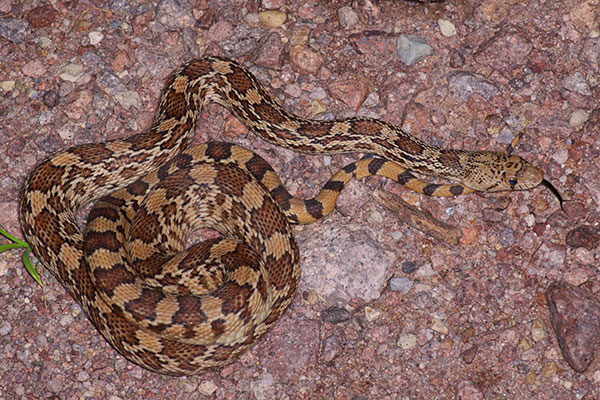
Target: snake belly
181	312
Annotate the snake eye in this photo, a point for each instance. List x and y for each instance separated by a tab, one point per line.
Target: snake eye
512	182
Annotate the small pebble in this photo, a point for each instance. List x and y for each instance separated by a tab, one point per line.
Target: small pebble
401	284
51	98
550	369
538	330
575	319
262	386
375	217
5	328
467	390
583	236
397	235
446	27
347	17
335	315
305	60
272	18
45	42
507	237
54	385
585	256
272	4
578	117
19	390
597	376
567	384
312	297
317	107
412	49
530	220
408	267
128	99
95	37
438	326
7	86
426	271
524	344
83	376
371	314
300	36
577	276
207	388
71	72
576	83
464	84
34	69
406	341
561	156
469	355
66	320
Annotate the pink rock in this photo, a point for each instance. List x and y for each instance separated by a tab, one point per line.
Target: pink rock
575	318
352	92
34	69
506	50
305	60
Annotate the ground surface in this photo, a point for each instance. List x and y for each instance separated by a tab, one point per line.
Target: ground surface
470	321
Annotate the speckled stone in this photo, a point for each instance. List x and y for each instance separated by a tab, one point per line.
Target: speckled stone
412	49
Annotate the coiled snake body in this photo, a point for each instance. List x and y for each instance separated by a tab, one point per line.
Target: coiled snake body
182	313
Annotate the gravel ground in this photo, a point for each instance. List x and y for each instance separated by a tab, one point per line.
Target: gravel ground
467	321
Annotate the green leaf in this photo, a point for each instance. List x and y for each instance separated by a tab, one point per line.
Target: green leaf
12	238
5	247
32	269
19	244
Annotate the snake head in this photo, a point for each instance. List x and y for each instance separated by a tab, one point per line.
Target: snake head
507	173
497	172
519	174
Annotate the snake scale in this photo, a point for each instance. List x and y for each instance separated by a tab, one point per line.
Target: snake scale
180	312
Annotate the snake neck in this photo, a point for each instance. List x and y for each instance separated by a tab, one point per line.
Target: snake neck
230	84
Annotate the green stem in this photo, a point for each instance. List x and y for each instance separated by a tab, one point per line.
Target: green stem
13	239
5	247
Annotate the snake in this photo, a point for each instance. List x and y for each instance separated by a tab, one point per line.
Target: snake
180	309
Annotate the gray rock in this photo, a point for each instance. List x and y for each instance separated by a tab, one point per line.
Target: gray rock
576	83
408	267
175	14
578	117
243	42
120	6
347	17
335	315
344	262
14	30
110	83
507	237
5	328
464	84
401	284
412	49
262	387
590	53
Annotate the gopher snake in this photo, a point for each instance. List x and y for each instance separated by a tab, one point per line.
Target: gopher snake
182	313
